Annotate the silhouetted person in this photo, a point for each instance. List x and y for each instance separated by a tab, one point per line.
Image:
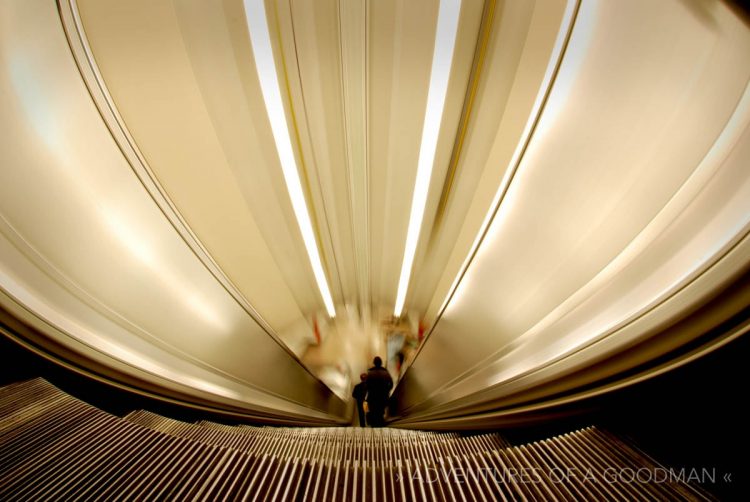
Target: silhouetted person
379	384
359	393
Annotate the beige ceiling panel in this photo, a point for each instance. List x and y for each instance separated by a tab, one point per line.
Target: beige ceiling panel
91	261
401	46
497	62
309	32
643	110
518	55
223	64
354	29
456	100
179	92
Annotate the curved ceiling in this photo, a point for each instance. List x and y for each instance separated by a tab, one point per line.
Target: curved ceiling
589	191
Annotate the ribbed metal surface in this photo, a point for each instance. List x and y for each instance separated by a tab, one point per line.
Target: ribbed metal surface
53	446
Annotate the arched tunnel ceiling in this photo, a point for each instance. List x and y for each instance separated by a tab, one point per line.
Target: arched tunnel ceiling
187	90
590	189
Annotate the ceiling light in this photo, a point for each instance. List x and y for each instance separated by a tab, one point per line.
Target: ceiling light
445	40
260	39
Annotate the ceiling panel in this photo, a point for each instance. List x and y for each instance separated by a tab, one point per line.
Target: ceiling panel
311	42
511	71
187	91
92	266
633	185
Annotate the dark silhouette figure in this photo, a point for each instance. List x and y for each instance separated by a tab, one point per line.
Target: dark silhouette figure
359	393
379	384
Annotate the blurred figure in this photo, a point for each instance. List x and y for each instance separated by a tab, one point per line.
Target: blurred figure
400	356
379	385
359	393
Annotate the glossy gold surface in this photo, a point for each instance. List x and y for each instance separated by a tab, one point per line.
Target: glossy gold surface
590	191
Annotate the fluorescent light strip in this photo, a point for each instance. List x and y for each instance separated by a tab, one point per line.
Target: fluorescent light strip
442	58
260	39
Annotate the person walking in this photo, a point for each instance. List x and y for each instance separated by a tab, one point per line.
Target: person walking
359	393
379	384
